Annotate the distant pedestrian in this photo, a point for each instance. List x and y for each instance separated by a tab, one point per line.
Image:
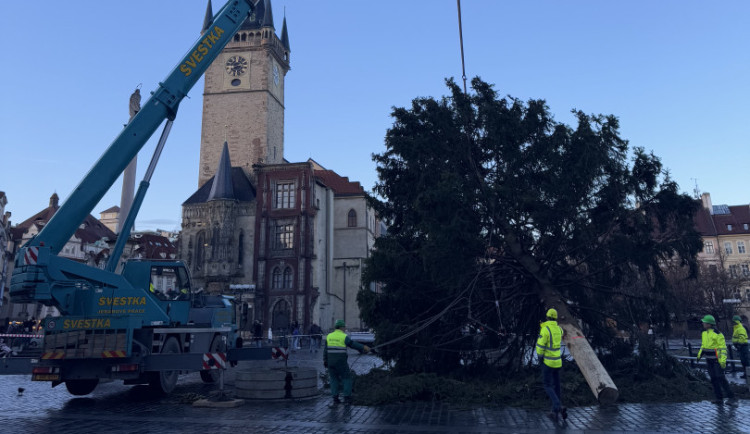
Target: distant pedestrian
550	359
270	336
257	333
739	340
651	334
714	350
316	335
295	338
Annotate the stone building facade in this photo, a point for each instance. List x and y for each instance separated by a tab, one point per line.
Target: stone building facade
725	230
287	239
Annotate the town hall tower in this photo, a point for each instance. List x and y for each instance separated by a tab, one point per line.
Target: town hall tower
243	98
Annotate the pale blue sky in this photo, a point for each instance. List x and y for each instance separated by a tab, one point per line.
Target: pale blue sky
675	73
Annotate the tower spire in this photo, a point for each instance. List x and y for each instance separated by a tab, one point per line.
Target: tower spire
222	185
285	36
268	15
209	19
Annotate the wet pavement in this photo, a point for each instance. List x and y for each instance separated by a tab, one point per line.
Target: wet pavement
115	408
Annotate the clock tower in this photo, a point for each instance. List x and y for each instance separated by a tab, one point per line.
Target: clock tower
243	97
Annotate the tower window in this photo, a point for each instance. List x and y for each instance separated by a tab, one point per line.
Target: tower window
236	82
288	278
284	237
285	195
352	219
276	278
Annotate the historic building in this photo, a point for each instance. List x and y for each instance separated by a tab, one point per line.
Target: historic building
109	218
288	239
726	240
5	253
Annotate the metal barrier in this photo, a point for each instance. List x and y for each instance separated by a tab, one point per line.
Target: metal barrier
734	365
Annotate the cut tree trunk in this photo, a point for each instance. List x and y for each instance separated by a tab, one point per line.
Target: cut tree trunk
596	376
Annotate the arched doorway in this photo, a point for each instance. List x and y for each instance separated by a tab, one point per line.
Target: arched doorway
280	316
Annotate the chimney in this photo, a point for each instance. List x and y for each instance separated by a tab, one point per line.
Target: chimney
706	199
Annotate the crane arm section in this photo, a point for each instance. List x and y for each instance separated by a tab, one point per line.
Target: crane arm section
161	105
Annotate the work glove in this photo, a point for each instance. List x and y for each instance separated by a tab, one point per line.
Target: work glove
366	349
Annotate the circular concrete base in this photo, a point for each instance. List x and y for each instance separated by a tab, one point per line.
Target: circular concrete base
279	383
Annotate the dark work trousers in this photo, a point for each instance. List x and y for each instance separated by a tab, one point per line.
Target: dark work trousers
718	380
551	381
742	349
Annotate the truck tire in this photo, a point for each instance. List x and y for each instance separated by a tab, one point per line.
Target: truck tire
81	387
212	375
164	382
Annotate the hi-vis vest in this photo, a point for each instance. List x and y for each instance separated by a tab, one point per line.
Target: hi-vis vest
739	336
336	342
548	344
713	346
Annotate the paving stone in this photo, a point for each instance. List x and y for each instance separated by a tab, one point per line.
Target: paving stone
114	408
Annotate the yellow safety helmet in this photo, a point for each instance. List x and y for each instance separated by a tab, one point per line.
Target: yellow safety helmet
552	314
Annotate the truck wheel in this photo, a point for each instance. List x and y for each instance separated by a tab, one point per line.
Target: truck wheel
212	375
164	382
81	387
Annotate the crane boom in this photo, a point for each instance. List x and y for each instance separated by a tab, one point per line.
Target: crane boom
161	105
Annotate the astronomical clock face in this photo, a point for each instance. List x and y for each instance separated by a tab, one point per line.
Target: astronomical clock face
236	66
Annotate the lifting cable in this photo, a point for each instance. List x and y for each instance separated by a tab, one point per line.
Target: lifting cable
461	40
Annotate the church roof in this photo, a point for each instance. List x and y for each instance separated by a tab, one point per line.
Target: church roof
242	188
153	246
729	220
262	17
221	186
340	184
89	231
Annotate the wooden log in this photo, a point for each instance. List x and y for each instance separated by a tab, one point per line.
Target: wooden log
596	376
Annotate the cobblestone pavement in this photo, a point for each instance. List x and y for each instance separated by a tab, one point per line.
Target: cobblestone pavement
124	409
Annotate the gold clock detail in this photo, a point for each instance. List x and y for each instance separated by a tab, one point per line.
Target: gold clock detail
236	66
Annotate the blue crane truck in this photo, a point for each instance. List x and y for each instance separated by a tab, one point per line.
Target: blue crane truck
117	325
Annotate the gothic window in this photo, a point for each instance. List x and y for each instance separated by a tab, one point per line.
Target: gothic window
240	248
276	278
352	219
284	195
284	236
215	244
200	250
288	278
